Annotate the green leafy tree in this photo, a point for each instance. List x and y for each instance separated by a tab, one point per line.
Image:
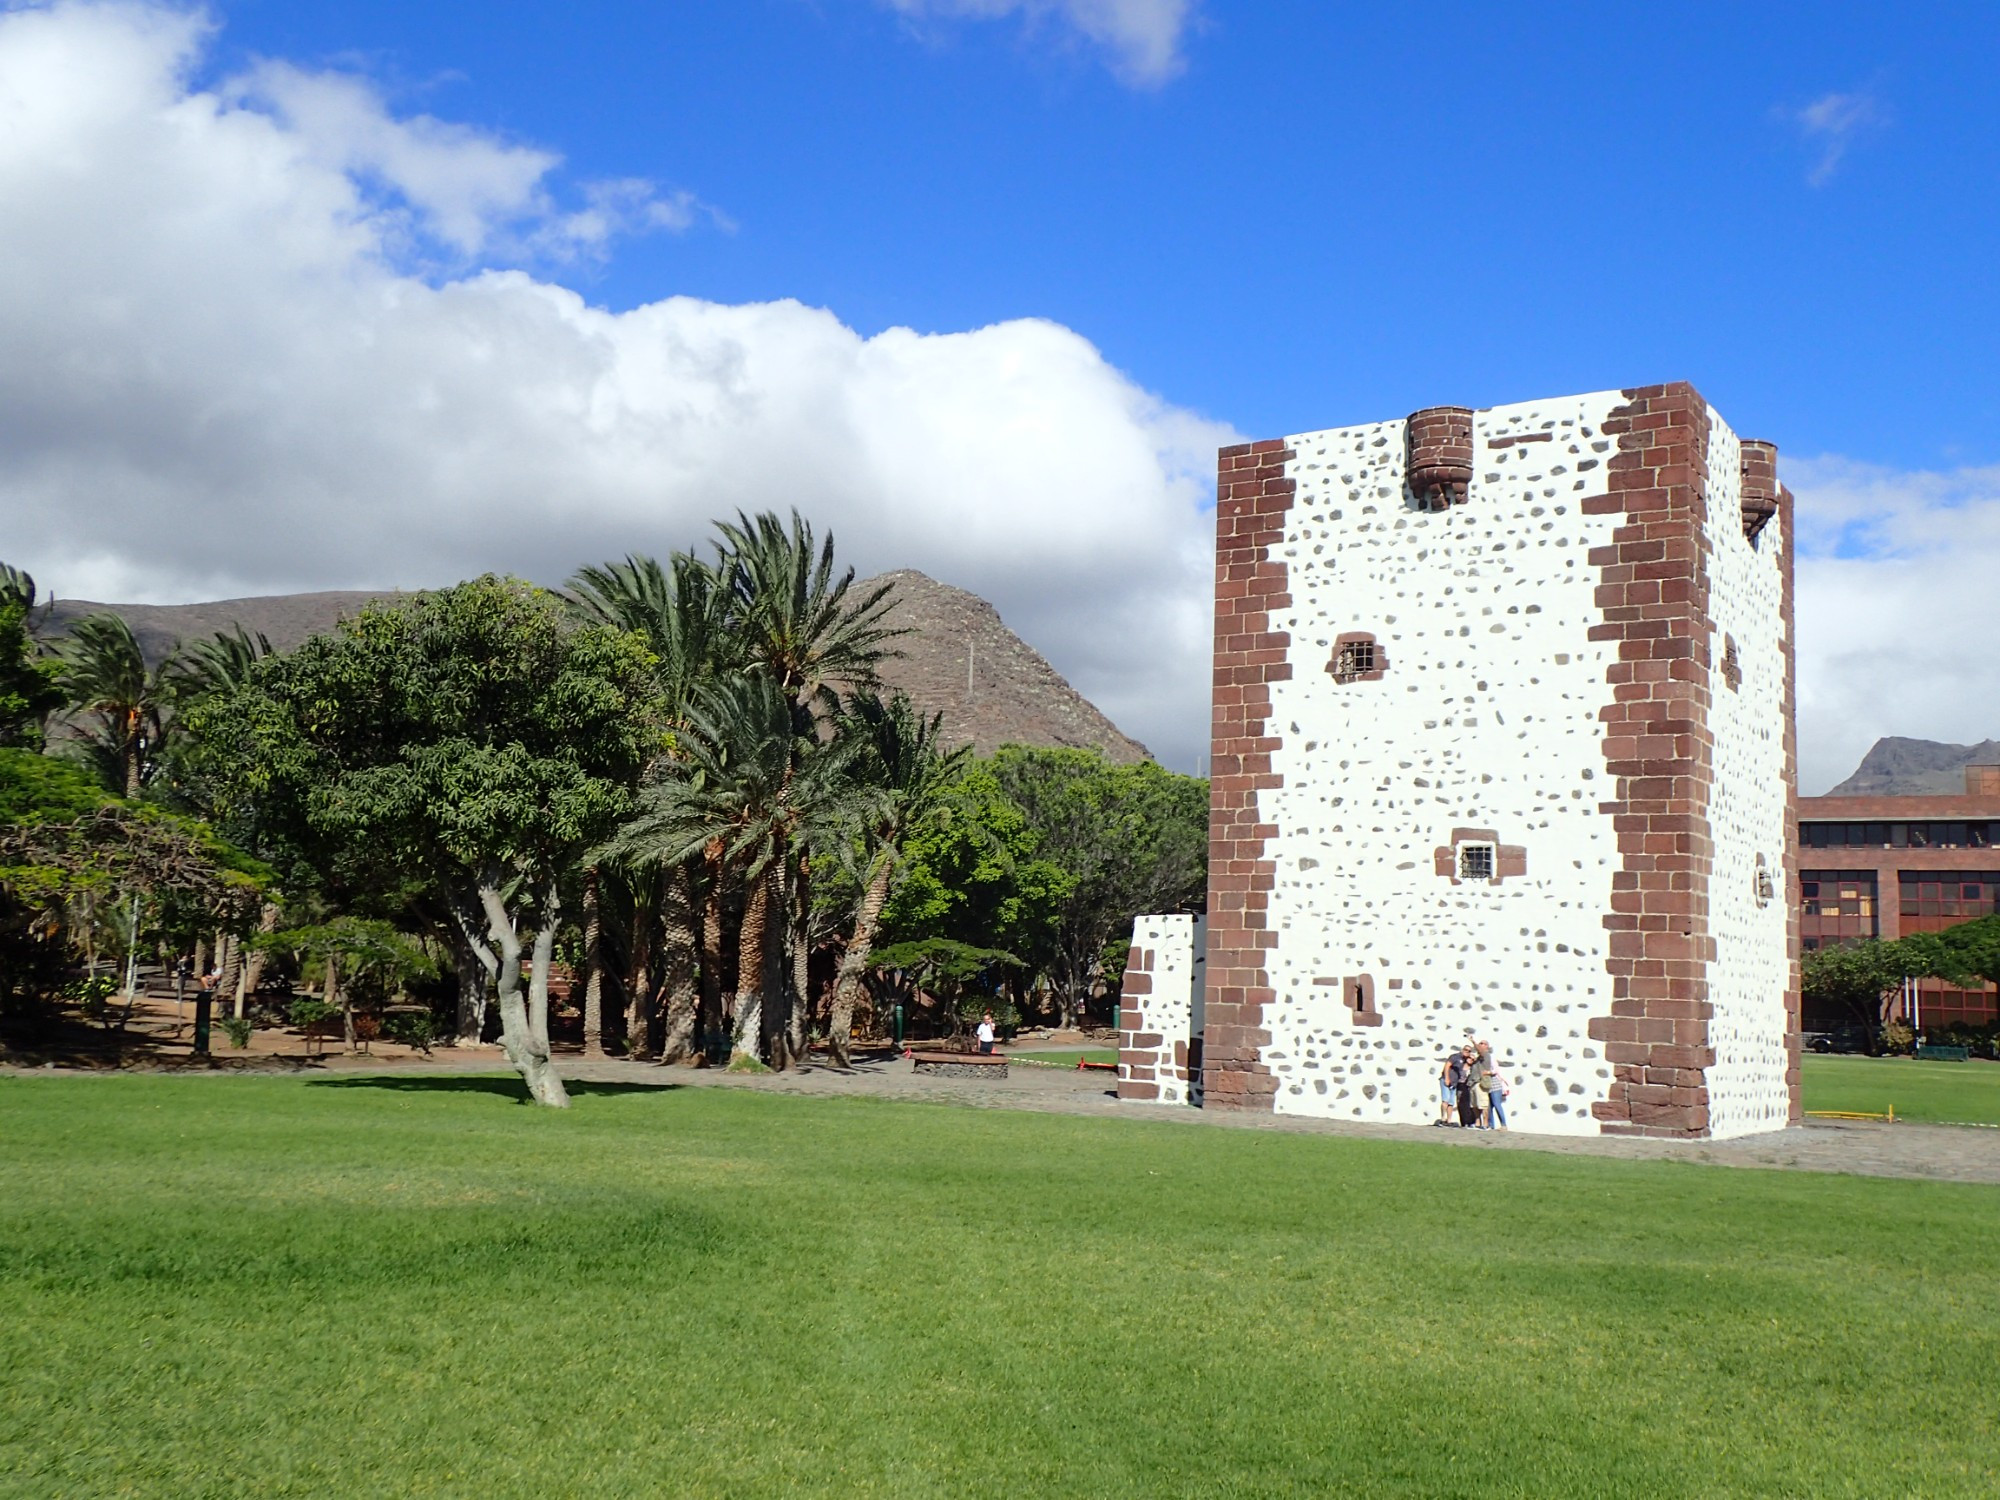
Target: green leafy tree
1131	839
947	970
353	950
478	739
74	858
30	684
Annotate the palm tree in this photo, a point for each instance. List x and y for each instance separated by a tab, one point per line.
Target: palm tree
808	628
680	610
913	779
746	782
222	662
129	705
811	631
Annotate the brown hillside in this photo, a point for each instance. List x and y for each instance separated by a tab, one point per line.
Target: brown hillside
1014	696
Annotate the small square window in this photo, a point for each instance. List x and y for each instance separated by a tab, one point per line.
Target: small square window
1475	861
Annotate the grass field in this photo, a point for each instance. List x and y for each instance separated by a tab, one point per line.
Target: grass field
1966	1093
417	1286
1070	1059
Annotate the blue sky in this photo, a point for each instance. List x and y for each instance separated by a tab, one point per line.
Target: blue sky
1327	213
307	295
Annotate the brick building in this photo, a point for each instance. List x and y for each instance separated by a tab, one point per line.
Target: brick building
1884	867
1502	747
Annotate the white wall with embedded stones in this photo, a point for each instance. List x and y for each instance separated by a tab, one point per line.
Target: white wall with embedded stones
1173	953
1748	811
1486	718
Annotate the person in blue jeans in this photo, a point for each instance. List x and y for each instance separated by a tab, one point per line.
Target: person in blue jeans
1496	1100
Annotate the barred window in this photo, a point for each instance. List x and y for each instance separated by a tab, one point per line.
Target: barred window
1475	861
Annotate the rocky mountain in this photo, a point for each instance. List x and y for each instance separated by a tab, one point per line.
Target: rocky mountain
1895	767
958	658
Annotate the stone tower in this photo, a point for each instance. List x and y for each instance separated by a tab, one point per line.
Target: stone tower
1503	749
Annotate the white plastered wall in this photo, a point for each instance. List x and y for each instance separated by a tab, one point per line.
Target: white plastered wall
1748	976
1176	945
1487	718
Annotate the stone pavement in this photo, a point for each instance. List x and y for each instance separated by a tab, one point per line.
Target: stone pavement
1943	1153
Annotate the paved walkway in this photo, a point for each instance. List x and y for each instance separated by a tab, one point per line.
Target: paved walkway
1944	1153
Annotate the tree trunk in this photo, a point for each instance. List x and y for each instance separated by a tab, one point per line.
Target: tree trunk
526	1045
711	953
132	763
777	1012
750	966
477	966
679	960
854	963
798	1029
593	964
334	997
538	973
639	987
253	971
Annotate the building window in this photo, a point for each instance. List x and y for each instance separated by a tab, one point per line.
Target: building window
1475	862
1933	900
1763	886
1836	906
1357	657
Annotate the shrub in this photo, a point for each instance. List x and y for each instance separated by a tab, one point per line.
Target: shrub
238	1030
1897	1039
413	1028
308	1012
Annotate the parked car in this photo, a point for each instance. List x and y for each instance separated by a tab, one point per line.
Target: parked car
1849	1037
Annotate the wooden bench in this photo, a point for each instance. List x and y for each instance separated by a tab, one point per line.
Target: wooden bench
960	1064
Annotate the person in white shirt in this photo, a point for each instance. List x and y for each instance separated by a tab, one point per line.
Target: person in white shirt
986	1032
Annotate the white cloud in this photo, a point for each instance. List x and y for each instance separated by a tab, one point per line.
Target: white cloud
1894	637
1831	123
219	374
1142	36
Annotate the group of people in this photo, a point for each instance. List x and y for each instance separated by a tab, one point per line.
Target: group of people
1472	1093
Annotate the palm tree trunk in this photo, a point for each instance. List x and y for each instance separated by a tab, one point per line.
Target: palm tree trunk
799	1025
130	755
593	963
751	962
678	962
711	952
854	963
639	986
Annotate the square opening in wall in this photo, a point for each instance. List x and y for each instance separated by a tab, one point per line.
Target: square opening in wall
1475	861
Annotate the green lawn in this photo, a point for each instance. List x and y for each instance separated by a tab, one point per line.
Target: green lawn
1070	1059
1966	1093
264	1286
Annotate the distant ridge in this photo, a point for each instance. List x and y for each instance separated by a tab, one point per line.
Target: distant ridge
1895	767
1010	695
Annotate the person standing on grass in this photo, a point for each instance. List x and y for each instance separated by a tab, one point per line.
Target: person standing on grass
1447	1089
986	1032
